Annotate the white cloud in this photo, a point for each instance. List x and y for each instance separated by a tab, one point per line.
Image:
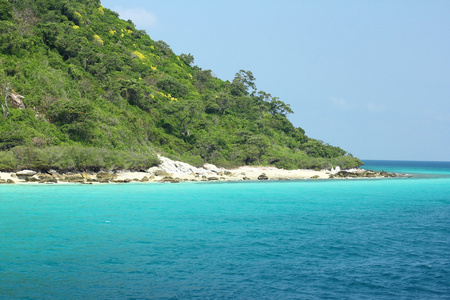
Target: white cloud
437	116
142	18
342	104
375	108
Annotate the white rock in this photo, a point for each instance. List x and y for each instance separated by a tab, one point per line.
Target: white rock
210	167
178	168
26	173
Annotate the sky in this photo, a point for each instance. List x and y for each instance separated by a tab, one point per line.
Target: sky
372	77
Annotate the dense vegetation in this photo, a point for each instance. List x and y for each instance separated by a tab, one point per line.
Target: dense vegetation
100	94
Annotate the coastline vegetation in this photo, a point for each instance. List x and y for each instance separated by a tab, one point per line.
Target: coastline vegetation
99	94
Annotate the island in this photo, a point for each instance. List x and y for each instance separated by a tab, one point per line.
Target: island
84	92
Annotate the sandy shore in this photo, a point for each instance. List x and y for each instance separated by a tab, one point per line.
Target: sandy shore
173	171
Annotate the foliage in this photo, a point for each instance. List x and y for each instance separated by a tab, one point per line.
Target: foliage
100	94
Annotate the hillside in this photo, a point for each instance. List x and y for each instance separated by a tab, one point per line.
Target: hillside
82	89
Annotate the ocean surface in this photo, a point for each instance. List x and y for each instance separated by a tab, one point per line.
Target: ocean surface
306	239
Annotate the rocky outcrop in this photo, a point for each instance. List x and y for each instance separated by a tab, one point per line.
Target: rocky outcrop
168	166
16	100
263	176
26	173
6	181
362	174
169	179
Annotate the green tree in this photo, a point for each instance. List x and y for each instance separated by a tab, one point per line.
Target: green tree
185	112
188	59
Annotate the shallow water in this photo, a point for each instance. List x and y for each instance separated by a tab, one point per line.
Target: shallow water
339	239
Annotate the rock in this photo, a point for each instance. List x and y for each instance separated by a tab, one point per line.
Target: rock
245	178
44	176
102	175
16	100
315	177
169	179
145	179
31	179
263	176
178	167
87	175
161	173
106	175
26	173
213	178
345	174
210	167
77	181
48	180
6	181
75	178
121	181
370	174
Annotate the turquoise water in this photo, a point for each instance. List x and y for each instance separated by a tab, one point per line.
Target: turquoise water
330	239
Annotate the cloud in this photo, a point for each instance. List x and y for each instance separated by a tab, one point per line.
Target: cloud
375	108
142	18
437	116
352	106
341	103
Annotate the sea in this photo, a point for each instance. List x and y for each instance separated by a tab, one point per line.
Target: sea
304	239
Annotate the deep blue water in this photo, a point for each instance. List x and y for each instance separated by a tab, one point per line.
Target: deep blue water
310	239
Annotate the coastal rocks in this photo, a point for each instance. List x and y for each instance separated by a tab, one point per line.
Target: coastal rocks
105	176
48	180
211	167
161	173
263	176
26	173
169	179
362	174
121	181
6	181
177	167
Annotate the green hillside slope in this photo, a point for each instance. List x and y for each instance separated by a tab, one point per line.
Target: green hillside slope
83	89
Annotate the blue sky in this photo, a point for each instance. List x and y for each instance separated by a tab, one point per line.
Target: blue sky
372	77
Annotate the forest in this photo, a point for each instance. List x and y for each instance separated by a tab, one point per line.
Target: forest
81	89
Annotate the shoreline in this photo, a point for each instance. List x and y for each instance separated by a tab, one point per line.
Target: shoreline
170	171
